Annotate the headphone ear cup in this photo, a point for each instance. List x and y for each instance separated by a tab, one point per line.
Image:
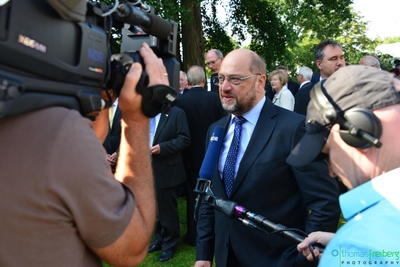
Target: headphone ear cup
362	119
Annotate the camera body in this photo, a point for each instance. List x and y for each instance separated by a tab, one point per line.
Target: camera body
49	61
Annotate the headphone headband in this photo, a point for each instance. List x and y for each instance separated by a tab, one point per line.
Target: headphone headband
358	127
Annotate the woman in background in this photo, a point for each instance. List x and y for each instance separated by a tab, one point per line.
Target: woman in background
283	97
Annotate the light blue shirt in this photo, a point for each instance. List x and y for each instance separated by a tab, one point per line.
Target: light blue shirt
153	127
371	236
247	131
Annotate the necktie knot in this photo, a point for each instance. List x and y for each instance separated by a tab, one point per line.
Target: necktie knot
239	120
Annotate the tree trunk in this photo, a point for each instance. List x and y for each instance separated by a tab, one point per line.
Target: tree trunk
192	37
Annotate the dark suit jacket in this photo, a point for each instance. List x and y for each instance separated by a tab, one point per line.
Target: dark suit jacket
292	86
267	185
172	134
315	78
202	108
111	144
302	98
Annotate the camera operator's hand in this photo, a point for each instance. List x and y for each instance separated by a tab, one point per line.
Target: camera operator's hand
130	101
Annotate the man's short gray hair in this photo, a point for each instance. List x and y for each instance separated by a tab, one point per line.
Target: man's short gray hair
370	61
306	72
196	75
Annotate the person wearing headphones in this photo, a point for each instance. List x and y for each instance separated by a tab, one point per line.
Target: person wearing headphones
353	119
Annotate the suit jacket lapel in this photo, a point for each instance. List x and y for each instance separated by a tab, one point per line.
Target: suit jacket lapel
262	132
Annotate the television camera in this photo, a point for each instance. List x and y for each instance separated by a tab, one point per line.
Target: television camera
57	53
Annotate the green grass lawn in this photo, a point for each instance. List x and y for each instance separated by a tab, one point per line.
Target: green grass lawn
185	256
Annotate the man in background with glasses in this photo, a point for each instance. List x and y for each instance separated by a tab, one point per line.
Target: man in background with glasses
214	59
202	108
252	171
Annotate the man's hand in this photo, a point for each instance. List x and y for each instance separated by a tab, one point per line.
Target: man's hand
112	159
320	237
130	102
155	150
203	264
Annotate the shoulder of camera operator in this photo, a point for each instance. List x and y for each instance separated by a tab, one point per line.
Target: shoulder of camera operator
101	122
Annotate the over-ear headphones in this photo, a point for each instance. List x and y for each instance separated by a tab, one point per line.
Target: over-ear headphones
358	127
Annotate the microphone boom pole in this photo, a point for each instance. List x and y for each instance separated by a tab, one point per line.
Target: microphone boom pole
233	211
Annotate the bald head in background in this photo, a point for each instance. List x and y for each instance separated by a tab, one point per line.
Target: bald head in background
370	61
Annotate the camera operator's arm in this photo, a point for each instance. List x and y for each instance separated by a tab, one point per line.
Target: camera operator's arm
134	169
100	125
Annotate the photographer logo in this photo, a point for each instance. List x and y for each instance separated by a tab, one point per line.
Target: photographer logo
352	257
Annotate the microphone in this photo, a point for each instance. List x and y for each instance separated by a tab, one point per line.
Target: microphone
208	166
150	23
212	154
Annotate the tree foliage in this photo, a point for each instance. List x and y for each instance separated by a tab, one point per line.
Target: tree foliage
283	32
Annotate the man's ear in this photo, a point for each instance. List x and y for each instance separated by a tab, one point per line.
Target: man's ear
261	79
318	62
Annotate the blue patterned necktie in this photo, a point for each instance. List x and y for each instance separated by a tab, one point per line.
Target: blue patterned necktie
229	168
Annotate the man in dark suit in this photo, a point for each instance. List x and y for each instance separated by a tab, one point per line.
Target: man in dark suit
329	57
303	95
170	138
292	86
183	84
111	143
214	58
202	108
316	78
303	198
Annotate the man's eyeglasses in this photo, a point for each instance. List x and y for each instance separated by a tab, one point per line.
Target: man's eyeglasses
212	62
219	80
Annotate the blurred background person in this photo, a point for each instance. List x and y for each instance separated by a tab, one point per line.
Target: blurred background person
201	108
395	72
292	86
329	57
370	61
283	97
113	138
214	58
169	135
302	97
183	83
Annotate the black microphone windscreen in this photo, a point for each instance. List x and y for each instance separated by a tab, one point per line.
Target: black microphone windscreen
159	27
212	154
